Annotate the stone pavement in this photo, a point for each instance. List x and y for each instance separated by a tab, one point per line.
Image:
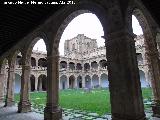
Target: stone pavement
10	113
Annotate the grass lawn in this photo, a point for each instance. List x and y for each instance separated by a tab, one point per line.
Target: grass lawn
97	100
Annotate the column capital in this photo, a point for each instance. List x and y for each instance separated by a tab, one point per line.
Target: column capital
53	57
118	34
27	67
11	70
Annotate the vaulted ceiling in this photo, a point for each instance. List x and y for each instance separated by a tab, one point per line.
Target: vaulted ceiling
16	21
154	8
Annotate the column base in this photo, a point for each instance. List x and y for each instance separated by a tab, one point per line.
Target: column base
24	107
9	103
50	114
156	110
129	117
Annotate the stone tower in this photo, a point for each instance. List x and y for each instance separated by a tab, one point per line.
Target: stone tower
78	46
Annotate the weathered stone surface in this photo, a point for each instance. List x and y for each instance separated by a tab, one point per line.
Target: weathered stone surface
24	107
156	110
24	104
9	100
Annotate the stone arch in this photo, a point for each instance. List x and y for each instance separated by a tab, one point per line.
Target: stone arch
95	81
30	42
63	65
104	80
32	83
84	5
63	82
94	65
71	66
4	67
86	66
12	57
145	19
42	62
72	12
42	83
79	81
72	81
88	81
146	24
33	62
103	63
17	87
148	27
10	81
79	66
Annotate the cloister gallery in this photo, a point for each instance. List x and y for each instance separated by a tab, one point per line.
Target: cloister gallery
90	63
118	56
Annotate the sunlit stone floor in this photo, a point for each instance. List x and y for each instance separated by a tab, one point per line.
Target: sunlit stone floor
10	113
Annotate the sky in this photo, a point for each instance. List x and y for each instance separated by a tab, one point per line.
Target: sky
87	24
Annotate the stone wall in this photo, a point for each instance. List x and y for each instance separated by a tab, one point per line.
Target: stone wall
85	52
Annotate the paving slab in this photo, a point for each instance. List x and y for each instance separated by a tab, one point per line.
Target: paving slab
10	113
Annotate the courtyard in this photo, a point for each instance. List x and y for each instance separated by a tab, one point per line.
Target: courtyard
36	86
95	101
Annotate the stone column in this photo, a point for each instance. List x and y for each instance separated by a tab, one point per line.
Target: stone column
75	82
98	82
1	87
98	65
99	78
68	67
83	81
152	59
9	101
68	81
5	81
24	104
91	83
36	83
154	70
60	84
36	62
40	84
90	67
125	89
52	110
